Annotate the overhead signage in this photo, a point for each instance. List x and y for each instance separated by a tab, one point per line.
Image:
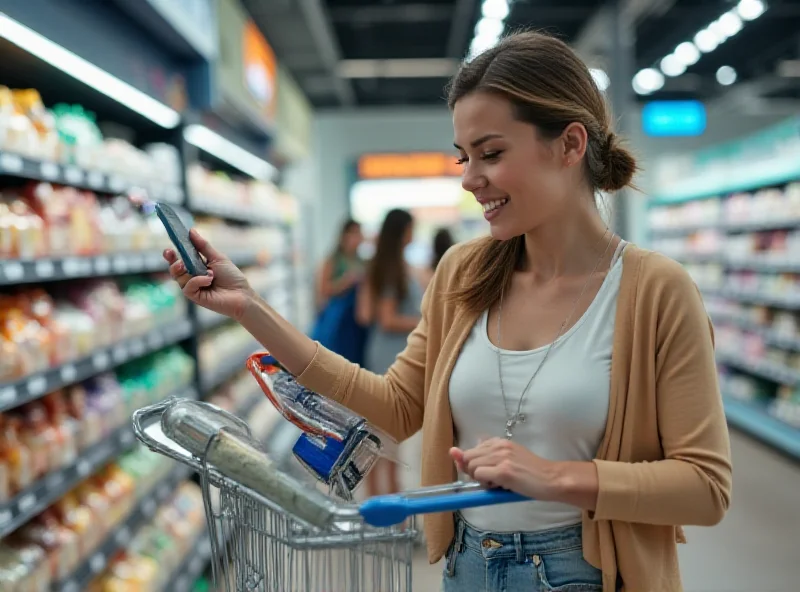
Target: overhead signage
413	165
674	118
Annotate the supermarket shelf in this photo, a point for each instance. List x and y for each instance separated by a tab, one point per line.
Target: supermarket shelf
770	336
761	368
764	266
682	230
16	272
143	511
753	418
764	299
38	170
761	225
55	484
34	386
232	364
192	567
215	207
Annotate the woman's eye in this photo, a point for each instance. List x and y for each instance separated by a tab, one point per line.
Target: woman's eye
491	155
462	160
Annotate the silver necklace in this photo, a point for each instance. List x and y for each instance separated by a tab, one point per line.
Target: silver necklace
518	416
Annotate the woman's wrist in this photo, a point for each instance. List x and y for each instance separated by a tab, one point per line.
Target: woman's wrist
576	483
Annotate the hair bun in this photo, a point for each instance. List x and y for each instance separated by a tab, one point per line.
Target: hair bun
620	165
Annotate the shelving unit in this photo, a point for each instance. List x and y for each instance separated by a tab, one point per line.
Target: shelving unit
222	379
731	216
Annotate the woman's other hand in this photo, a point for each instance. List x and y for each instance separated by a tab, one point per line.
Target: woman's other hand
498	462
224	289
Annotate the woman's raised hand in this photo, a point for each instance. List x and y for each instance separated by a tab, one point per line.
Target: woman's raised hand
224	289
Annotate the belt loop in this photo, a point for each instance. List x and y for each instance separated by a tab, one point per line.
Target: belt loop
460	528
518	547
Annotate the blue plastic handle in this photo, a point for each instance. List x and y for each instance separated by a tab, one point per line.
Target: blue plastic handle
388	510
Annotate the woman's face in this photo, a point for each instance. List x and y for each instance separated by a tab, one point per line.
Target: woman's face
520	179
352	240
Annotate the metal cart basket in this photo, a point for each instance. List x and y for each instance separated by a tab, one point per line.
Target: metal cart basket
271	531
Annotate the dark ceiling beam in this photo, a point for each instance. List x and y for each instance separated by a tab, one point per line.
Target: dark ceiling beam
319	22
461	28
594	40
383	14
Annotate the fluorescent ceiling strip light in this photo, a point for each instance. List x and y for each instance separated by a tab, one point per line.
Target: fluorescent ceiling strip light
707	40
211	142
88	73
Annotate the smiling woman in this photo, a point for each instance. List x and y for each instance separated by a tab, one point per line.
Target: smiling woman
552	359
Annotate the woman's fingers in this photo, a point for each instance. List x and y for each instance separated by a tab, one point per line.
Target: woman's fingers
195	284
204	247
170	256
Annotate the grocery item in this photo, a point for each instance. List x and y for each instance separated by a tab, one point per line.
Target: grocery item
23	566
60	544
15	454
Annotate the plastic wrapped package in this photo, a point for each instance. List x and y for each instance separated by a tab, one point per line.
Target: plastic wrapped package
16	455
23	567
337	446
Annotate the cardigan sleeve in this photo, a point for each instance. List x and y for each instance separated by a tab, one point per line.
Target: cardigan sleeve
692	485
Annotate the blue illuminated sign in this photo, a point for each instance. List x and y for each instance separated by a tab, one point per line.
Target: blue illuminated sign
674	118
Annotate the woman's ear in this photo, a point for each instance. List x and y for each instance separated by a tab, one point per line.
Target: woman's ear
575	140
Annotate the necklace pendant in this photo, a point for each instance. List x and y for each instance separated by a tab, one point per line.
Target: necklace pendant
511	423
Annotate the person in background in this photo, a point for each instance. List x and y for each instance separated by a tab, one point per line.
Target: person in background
337	287
343	269
389	301
442	241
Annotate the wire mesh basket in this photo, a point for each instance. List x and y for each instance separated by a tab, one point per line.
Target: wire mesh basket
271	531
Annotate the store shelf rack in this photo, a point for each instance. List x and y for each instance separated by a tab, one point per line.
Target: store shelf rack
54	485
754	419
714	232
193	565
232	364
106	358
22	167
141	514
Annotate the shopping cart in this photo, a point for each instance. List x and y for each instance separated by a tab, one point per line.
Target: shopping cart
270	531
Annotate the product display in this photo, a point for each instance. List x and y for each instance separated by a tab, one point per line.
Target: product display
742	248
69	134
40	329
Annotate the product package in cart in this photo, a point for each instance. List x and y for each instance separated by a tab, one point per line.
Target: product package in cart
337	446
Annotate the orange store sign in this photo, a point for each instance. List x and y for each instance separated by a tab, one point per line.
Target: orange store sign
412	165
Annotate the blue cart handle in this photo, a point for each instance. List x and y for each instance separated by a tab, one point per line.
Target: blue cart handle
388	510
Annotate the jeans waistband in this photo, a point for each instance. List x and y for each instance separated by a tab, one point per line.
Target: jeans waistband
521	544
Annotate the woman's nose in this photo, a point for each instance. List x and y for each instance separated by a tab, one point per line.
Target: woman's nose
472	179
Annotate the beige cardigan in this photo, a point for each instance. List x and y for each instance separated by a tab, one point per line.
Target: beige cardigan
665	457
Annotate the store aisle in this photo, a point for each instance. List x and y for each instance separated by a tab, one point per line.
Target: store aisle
755	547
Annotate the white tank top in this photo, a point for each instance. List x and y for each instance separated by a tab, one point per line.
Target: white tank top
566	405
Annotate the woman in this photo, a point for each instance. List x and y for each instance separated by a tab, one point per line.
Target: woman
343	269
336	326
390	301
510	372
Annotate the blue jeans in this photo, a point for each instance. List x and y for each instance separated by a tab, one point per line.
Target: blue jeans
544	561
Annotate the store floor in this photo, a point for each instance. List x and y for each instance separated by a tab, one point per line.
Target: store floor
757	545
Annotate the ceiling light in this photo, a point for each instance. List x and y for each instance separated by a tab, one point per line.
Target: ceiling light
730	23
750	9
88	73
726	75
495	9
687	53
479	45
707	40
489	27
210	141
648	81
672	66
601	79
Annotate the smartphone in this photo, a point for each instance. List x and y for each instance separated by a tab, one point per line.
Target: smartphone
179	235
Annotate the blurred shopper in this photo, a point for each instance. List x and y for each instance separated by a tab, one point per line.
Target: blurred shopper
442	241
337	286
512	359
390	302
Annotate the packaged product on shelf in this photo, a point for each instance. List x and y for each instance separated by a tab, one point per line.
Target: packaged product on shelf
79	135
78	517
23	567
23	228
40	438
104	396
16	455
66	426
165	163
59	543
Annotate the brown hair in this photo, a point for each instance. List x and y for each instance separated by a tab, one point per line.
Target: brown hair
387	270
549	87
